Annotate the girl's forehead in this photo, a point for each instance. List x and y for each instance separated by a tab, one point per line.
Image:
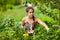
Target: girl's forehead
30	10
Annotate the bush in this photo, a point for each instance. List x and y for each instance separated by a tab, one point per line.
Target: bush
11	30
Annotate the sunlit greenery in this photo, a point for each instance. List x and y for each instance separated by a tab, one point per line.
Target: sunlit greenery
12	12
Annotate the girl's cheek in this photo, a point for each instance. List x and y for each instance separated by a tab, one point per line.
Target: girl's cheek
29	14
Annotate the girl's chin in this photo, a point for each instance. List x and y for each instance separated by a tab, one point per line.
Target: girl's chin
31	16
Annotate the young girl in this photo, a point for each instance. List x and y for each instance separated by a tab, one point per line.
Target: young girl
30	20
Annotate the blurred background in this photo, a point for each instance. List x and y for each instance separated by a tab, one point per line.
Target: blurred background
12	12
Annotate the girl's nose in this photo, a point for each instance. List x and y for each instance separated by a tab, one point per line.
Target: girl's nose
31	13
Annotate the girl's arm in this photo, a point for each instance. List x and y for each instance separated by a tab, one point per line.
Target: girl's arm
23	23
41	22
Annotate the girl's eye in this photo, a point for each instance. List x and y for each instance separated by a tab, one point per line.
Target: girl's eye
31	12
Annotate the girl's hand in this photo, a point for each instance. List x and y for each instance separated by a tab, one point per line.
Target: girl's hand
47	29
21	27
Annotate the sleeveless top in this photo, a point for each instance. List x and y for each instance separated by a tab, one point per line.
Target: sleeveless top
29	26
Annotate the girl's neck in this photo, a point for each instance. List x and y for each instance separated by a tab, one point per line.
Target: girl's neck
30	17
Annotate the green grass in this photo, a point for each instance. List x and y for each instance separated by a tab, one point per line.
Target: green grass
17	13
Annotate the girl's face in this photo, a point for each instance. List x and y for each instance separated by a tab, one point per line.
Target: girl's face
30	13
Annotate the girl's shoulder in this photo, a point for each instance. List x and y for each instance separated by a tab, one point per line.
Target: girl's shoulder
24	18
36	19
